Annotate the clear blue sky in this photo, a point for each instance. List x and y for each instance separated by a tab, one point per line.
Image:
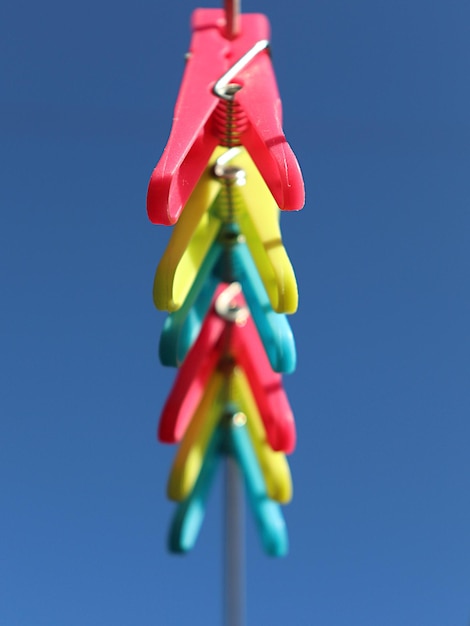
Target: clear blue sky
376	103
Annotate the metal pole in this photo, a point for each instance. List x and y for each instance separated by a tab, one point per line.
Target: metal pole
232	16
234	546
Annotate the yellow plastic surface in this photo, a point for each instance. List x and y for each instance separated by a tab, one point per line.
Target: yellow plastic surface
199	223
190	455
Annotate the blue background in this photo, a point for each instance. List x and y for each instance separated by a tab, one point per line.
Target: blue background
376	105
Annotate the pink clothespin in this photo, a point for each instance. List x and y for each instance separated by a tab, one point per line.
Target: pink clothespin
228	97
223	336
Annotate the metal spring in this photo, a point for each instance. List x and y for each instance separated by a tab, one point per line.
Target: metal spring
228	267
229	203
230	122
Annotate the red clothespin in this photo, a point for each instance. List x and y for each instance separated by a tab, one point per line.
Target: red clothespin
223	336
228	97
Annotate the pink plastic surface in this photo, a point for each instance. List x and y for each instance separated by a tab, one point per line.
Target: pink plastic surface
216	339
193	137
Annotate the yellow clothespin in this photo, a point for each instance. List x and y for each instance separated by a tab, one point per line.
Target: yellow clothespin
210	204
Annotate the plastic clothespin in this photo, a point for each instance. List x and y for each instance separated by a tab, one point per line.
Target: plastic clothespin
229	260
223	335
230	437
231	187
227	84
222	387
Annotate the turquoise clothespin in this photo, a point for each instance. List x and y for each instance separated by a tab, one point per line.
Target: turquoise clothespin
228	260
230	438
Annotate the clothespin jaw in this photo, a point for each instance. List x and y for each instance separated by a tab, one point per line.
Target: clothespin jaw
230	438
200	120
193	446
182	327
189	515
216	339
187	464
248	201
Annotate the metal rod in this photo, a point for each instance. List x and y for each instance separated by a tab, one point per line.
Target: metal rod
221	87
232	16
234	546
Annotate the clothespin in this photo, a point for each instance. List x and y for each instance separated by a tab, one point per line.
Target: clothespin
223	386
230	437
233	189
229	97
229	260
221	336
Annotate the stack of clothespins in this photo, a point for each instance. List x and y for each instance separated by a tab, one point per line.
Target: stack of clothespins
225	277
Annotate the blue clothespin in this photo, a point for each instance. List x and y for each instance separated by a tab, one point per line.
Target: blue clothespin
228	260
230	437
